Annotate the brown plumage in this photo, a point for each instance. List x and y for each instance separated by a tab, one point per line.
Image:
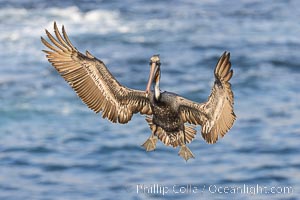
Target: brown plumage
168	114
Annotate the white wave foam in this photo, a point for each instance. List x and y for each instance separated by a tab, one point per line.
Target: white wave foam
96	21
21	28
17	23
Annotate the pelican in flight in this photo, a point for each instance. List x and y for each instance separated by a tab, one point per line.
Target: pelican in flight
172	118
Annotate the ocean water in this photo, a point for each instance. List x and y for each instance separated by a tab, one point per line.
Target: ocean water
53	147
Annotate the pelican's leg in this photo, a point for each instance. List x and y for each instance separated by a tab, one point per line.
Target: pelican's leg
185	153
150	143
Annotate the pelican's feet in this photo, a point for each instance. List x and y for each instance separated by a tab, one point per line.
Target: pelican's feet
150	144
185	153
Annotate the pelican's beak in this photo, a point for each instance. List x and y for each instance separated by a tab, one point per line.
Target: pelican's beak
153	70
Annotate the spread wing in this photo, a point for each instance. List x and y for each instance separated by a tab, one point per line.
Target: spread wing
216	116
92	81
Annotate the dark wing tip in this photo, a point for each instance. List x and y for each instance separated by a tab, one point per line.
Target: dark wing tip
223	66
227	53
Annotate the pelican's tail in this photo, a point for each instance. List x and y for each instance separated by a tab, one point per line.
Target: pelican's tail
172	138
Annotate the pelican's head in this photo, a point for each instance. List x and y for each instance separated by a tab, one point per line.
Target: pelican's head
154	75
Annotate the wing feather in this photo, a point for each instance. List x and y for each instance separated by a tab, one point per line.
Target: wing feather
219	106
92	81
191	112
216	116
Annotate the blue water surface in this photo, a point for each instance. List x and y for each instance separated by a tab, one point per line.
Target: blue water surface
53	147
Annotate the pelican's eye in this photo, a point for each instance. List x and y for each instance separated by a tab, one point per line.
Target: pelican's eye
157	63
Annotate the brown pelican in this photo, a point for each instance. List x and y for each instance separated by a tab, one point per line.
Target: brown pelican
171	118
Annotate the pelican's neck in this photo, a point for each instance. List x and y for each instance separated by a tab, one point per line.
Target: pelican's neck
156	88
